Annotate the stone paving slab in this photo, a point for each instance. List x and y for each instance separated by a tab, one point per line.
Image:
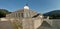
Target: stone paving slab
6	25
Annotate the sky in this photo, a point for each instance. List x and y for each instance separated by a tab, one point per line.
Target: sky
40	6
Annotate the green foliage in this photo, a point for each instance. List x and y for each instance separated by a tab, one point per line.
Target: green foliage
3	12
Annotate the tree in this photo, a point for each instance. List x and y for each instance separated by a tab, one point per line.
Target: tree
3	12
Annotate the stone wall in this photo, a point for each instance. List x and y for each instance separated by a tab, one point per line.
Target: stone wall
37	23
27	23
30	23
55	23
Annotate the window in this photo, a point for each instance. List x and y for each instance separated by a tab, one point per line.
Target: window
27	14
18	14
22	15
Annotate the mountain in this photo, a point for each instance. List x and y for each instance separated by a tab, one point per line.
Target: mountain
3	12
53	14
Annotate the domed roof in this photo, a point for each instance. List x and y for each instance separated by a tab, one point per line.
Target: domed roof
26	7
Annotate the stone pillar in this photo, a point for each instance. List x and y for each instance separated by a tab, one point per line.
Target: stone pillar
28	24
48	17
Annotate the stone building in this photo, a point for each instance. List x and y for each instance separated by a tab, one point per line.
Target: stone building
27	19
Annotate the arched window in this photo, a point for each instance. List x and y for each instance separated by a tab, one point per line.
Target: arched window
19	15
22	15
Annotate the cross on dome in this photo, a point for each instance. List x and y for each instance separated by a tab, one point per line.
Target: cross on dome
26	7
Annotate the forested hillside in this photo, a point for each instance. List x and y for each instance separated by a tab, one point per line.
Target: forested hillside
3	12
53	14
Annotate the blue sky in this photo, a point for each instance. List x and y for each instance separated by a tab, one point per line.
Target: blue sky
40	6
